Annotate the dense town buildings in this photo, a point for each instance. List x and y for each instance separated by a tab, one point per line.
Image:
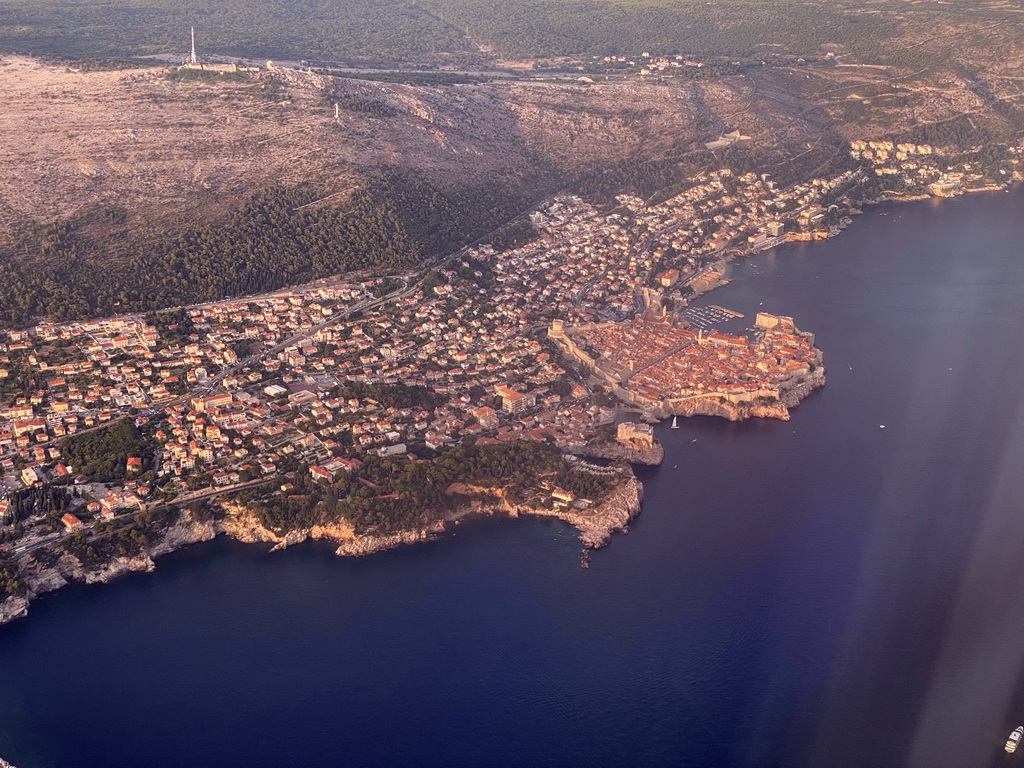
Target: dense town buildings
321	376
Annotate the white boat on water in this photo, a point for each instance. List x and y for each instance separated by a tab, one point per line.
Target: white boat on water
1014	740
675	422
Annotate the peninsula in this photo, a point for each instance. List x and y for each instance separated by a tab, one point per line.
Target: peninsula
375	407
374	412
672	371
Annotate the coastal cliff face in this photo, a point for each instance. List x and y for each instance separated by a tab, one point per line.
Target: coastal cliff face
614	514
242	525
50	568
714	405
10	609
792	396
596	524
367	545
43	574
616	451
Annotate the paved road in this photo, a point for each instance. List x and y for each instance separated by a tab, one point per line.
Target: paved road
398	293
209	493
203	495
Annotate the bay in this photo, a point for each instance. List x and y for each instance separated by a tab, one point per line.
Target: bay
823	591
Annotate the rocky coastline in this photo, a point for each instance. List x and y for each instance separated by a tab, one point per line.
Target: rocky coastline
715	404
613	515
42	575
240	524
596	525
45	574
615	451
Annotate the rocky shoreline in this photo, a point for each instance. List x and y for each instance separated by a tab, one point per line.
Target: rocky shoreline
615	451
41	578
596	526
241	525
712	404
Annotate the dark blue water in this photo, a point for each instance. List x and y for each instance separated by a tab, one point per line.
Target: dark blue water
818	592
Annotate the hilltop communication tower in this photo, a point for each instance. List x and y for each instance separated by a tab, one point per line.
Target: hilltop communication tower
192	60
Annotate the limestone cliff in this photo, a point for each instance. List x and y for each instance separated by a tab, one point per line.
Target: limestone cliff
615	451
714	404
45	570
597	525
366	545
10	609
791	396
241	524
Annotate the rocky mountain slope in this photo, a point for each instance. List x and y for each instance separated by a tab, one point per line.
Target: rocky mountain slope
128	153
123	156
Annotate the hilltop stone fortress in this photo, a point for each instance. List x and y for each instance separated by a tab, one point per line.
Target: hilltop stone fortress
668	370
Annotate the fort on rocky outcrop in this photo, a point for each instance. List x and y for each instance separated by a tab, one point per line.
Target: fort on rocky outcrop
635	435
665	369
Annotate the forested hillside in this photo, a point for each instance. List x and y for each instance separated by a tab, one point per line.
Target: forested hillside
401	495
131	190
312	29
543	28
391	224
406	30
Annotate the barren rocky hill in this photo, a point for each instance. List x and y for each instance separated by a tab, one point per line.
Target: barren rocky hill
123	157
126	150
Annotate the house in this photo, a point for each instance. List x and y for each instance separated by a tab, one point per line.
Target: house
71	522
134	464
321	473
350	465
562	495
512	401
213	401
487	417
668	278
